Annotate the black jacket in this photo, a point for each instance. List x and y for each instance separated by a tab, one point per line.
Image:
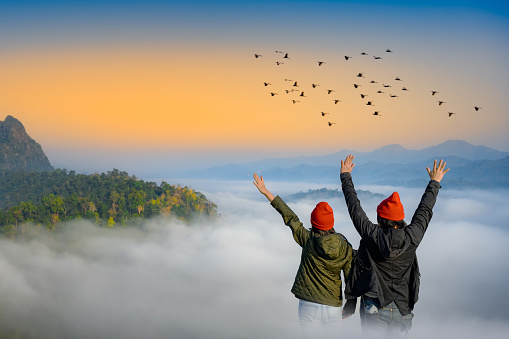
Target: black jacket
386	262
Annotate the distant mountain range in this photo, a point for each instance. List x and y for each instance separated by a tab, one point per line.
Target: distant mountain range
471	166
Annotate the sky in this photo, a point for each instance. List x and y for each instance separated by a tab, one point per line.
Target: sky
231	278
137	85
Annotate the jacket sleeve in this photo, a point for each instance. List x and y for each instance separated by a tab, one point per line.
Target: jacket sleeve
359	218
424	212
300	233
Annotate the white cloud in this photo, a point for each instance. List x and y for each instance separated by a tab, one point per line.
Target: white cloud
231	278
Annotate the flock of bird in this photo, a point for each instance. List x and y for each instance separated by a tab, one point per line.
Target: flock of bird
295	88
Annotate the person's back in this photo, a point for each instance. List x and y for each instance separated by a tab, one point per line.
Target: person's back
385	272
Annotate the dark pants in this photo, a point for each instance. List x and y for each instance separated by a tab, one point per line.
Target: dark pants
378	322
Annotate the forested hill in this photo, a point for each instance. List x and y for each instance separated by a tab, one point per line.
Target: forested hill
110	198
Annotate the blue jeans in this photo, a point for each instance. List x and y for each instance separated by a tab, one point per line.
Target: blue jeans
312	314
377	322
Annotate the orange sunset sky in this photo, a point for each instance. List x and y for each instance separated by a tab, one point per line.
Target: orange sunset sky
97	86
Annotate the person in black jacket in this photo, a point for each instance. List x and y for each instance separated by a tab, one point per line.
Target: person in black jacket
385	272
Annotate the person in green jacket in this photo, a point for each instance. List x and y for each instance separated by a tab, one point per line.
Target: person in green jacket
325	254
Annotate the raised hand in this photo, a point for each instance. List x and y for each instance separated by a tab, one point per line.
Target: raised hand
347	166
260	184
438	170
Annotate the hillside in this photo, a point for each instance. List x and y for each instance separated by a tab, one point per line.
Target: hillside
18	151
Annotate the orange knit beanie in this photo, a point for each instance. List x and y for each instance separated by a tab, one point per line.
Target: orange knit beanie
322	216
391	208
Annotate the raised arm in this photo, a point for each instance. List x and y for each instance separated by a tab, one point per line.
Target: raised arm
300	233
359	218
424	212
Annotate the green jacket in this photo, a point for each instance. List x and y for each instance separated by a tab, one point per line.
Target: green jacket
323	257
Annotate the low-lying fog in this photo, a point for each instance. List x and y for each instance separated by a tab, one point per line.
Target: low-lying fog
231	278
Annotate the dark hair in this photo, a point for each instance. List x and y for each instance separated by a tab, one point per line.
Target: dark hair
386	223
321	233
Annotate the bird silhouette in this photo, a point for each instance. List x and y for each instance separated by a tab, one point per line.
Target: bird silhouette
477	108
331	123
272	93
450	113
380	92
440	103
404	89
434	92
279	63
387	85
356	86
360	75
364	53
288	80
374	82
329	91
347	57
320	63
266	83
377	57
397	79
295	84
257	56
363	95
393	96
294	101
323	114
376	113
336	101
302	94
370	103
286	56
388	50
314	85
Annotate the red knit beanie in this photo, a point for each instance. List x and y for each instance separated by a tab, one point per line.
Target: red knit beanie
322	216
391	208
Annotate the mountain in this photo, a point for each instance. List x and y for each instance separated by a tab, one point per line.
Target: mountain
18	151
471	166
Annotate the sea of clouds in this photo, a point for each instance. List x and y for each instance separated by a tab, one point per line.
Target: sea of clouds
231	277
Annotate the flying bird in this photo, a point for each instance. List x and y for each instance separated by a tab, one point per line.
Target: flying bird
376	113
477	108
336	101
440	103
347	57
355	85
397	79
387	85
360	75
294	101
286	56
279	63
434	92
272	93
363	95
288	80
302	94
374	82
320	63
388	50
450	113
369	103
257	56
393	96
364	53
314	85
266	83
295	84
331	123
323	114
380	92
404	89
377	57
329	91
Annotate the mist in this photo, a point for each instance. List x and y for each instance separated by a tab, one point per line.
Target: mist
231	277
